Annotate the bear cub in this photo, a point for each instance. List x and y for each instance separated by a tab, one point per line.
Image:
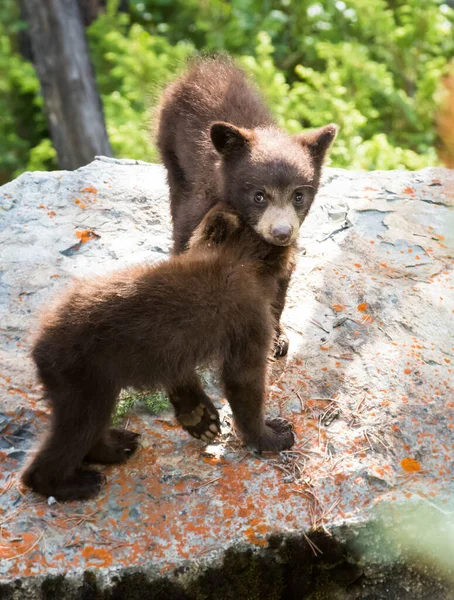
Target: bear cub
219	142
150	326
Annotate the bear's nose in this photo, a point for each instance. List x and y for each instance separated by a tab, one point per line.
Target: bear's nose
282	233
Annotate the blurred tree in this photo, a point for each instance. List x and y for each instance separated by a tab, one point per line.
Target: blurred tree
372	66
72	102
23	127
132	67
445	121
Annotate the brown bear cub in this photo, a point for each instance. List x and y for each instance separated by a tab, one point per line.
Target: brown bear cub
150	326
219	142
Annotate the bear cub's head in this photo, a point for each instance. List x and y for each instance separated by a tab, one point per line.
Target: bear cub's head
271	178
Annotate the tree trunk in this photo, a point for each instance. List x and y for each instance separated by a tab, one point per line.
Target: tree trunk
67	80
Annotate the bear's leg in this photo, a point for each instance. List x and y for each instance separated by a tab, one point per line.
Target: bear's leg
194	410
280	348
79	417
180	190
244	377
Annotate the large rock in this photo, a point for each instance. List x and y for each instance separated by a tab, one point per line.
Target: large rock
368	385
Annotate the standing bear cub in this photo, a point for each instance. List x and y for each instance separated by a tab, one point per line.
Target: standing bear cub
219	142
150	326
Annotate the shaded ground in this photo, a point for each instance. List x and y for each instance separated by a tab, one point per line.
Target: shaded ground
368	385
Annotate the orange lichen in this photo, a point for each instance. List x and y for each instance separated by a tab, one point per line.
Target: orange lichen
407	371
21	545
256	532
16	391
89	190
410	465
166	425
338	307
362	307
97	556
86	235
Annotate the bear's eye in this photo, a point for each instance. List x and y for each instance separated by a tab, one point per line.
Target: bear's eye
298	197
259	198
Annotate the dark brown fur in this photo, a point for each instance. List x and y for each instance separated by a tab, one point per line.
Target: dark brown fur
151	326
219	142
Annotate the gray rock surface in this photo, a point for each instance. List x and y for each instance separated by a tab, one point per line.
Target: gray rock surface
368	384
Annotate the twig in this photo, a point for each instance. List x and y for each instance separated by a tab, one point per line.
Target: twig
71	541
349	456
359	405
206	483
318	324
15	512
40	537
331	413
245	455
355	414
8	484
378	439
81	518
312	545
367	439
323	399
106	540
298	395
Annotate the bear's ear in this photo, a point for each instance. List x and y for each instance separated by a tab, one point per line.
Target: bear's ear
318	141
228	139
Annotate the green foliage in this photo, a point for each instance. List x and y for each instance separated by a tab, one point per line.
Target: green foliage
24	143
371	66
344	94
132	67
155	403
